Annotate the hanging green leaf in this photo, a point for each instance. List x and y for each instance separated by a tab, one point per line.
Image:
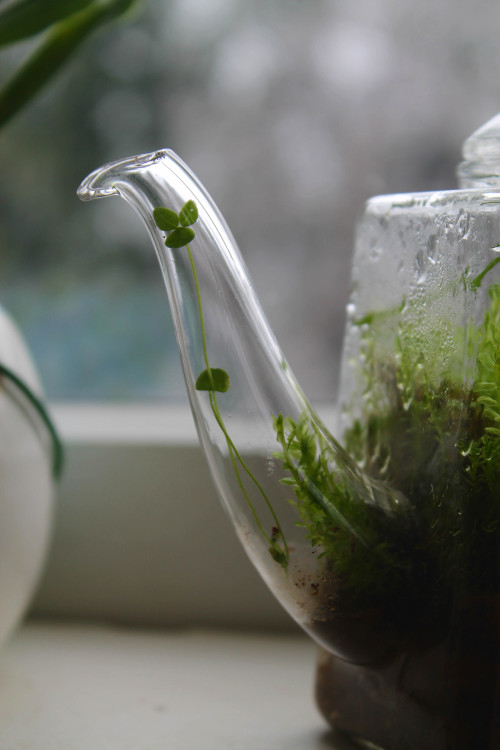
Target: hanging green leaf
180	237
476	283
278	555
215	380
165	219
188	214
22	19
53	52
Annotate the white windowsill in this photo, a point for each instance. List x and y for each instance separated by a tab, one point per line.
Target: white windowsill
92	687
140	536
127	423
135	422
156	631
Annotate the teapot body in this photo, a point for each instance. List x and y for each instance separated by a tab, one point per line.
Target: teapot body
421	410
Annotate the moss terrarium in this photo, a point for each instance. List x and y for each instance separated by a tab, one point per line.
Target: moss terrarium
384	544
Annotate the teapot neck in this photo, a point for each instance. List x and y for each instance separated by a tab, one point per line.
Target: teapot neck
480	167
234	328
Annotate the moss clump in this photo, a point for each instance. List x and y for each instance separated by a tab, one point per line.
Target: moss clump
430	430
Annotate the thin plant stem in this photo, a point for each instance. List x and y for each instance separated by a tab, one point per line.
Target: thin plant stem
233	451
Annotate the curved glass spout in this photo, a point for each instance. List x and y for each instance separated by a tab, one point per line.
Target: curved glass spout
310	520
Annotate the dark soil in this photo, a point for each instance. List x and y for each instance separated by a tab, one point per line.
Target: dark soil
440	696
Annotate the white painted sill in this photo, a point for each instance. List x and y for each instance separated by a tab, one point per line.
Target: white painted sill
82	687
150	627
140	537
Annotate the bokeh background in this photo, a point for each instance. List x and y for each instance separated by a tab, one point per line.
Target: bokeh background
292	113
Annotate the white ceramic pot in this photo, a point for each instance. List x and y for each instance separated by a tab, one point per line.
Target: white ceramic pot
26	477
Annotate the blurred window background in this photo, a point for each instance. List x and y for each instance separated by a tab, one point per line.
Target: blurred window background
292	113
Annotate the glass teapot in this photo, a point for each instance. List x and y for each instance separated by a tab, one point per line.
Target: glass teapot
383	544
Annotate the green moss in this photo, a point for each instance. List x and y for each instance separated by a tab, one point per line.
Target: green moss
427	436
429	429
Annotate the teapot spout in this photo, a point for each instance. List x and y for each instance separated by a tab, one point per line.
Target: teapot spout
311	521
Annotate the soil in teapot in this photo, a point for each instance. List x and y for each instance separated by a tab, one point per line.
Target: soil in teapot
444	698
420	661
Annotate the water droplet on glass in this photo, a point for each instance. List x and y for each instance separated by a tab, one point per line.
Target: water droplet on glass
465	451
407	403
270	466
421	267
463	225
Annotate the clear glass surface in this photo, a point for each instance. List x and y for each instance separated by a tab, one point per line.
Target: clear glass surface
385	549
420	402
286	483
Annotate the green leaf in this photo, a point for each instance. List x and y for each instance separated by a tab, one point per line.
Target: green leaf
22	19
278	555
365	320
476	283
487	401
165	219
216	380
288	481
56	48
179	237
188	214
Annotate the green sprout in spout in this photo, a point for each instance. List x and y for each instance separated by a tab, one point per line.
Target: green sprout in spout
180	234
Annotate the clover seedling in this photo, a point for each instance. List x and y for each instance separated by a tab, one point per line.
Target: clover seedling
179	235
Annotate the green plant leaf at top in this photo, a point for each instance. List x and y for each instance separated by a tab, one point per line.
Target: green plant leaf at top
215	380
188	214
165	219
24	18
180	237
60	42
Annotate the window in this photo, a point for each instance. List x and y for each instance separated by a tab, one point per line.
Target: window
291	113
